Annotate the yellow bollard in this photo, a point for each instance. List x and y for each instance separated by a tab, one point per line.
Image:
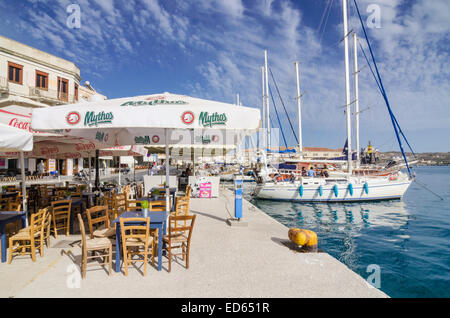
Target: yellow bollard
305	238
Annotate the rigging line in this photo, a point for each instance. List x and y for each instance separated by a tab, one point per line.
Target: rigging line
326	21
323	15
426	188
383	93
282	103
278	117
382	87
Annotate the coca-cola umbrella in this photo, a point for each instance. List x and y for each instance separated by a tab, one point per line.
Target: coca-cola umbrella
12	139
135	120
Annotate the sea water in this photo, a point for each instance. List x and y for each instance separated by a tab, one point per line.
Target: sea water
399	246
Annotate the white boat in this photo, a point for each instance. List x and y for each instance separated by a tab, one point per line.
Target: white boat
340	186
350	189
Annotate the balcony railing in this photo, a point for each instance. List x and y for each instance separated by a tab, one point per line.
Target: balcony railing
51	95
4	84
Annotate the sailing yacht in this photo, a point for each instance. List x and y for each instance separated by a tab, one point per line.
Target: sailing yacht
343	186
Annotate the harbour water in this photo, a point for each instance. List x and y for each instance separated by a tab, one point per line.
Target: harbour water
406	242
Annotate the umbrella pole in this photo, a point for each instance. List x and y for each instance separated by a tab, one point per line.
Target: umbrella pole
90	179
167	170
97	170
119	171
24	188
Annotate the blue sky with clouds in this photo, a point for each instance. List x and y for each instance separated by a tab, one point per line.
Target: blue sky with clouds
214	49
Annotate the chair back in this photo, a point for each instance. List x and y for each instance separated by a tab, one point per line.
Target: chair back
159	205
37	222
61	207
130	230
15	206
119	204
188	191
97	216
182	223
83	232
133	205
4	204
182	206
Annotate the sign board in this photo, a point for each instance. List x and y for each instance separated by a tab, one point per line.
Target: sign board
204	190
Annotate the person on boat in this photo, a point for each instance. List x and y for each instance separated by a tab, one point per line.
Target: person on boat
304	173
325	173
311	172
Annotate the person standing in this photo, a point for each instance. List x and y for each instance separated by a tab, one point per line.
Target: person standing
41	167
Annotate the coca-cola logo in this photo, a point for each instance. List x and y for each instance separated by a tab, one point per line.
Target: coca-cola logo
85	147
49	150
25	125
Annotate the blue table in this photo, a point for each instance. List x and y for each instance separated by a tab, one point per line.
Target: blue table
7	217
157	221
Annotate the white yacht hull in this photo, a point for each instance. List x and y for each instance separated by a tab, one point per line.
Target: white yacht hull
327	190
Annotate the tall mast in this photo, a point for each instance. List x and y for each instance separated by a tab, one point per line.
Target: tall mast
263	108
356	74
300	142
347	88
267	100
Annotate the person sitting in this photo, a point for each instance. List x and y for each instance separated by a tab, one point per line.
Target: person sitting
311	172
292	178
325	173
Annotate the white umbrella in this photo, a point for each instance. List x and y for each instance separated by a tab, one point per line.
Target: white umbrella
135	120
12	139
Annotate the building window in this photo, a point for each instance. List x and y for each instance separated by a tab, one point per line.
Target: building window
63	89
76	92
15	73
41	80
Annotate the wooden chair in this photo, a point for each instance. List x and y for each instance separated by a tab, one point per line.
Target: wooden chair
99	222
119	205
47	229
136	240
179	236
61	216
159	205
4	204
94	245
30	238
133	205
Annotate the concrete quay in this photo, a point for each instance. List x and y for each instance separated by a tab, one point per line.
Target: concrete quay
252	261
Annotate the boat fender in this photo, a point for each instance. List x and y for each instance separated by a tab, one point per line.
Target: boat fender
305	238
300	190
350	189
366	188
320	190
335	189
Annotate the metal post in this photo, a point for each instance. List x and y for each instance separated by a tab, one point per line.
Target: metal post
347	87
299	110
267	100
166	132
356	71
263	106
24	188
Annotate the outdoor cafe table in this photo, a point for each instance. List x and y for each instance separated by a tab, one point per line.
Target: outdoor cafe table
7	217
157	221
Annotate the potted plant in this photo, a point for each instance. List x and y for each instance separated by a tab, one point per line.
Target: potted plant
4	189
155	194
144	208
68	194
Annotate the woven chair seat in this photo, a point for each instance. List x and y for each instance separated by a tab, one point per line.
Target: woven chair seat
105	232
25	233
176	238
98	243
138	241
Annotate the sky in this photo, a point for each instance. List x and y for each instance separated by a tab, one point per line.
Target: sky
214	49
